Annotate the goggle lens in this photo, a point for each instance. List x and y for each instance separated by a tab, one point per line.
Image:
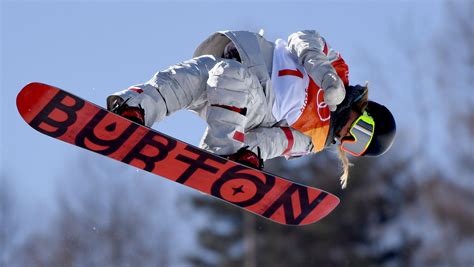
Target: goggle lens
362	130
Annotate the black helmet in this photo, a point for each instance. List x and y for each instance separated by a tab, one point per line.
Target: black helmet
384	132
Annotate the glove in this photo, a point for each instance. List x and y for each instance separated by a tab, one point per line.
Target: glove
135	114
247	157
334	91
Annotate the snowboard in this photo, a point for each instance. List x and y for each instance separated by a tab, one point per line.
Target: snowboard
71	119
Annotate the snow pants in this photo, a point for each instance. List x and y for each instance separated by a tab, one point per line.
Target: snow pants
222	91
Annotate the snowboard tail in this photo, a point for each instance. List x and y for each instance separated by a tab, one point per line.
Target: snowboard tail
69	118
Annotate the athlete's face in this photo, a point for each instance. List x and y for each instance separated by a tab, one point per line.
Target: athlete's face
345	130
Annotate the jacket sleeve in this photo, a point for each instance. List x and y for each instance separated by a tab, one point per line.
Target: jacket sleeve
315	54
278	141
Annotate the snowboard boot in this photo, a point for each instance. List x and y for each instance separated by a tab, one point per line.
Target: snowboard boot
247	158
135	114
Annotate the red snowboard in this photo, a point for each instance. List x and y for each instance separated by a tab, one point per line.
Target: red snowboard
64	116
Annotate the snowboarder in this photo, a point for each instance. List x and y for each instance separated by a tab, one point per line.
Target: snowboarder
263	100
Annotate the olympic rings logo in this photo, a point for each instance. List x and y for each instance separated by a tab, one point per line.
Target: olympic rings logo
322	107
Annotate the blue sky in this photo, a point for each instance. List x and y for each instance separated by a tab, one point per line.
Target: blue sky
96	48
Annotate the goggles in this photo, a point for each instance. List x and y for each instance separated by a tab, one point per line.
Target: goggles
362	131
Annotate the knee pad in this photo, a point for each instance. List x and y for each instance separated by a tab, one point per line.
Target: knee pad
230	83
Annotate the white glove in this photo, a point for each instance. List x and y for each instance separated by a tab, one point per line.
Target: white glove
334	91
